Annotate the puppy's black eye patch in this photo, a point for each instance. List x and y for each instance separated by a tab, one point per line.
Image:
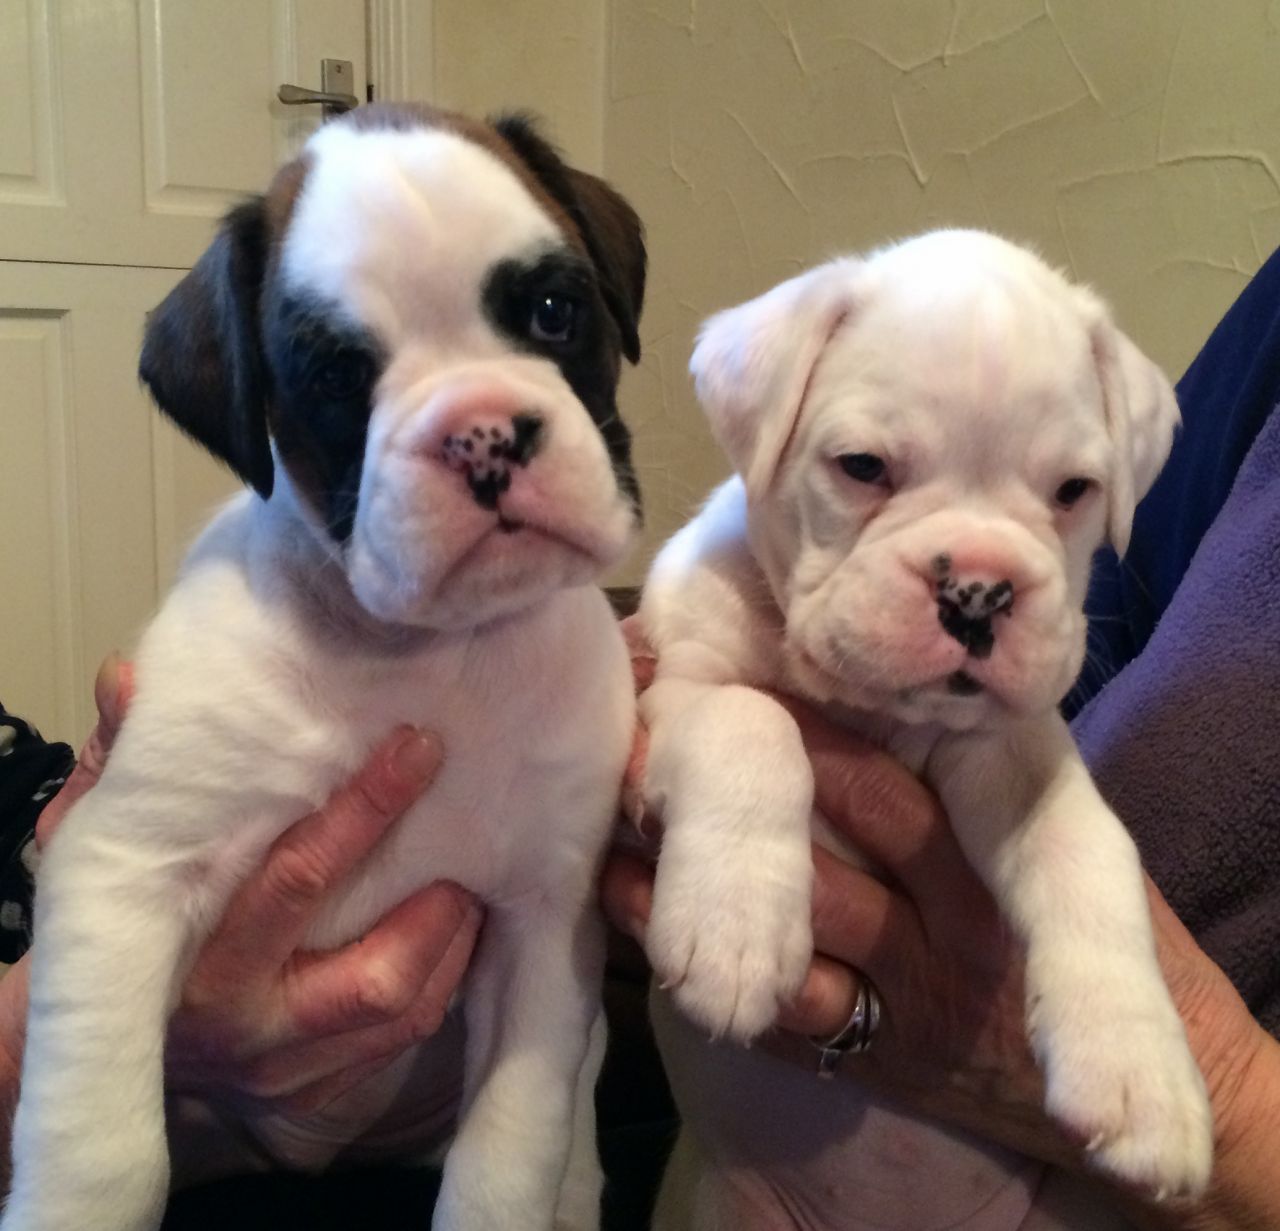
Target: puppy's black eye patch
549	305
1071	491
343	376
318	355
544	303
863	467
553	319
324	370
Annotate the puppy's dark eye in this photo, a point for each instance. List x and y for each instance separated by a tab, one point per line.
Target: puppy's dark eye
553	319
1069	493
864	467
343	376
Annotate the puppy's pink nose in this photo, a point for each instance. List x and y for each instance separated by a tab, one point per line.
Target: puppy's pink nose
969	603
488	448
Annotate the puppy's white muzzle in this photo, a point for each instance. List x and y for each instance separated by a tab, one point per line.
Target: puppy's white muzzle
483	491
953	618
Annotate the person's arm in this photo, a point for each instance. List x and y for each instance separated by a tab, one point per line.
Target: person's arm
265	1029
1241	1065
953	1043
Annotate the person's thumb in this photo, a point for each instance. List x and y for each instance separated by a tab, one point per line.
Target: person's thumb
112	690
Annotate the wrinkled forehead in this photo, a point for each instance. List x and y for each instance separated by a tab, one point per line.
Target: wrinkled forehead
401	229
999	371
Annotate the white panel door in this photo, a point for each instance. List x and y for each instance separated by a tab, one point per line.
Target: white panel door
127	127
97	494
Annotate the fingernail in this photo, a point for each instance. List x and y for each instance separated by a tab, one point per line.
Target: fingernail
417	756
634	926
470	908
106	686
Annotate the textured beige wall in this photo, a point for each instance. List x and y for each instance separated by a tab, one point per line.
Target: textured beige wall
1135	142
543	55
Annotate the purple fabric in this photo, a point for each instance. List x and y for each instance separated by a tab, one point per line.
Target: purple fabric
1226	395
1185	741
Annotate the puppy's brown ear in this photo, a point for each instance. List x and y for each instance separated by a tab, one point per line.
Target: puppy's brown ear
202	354
752	364
1142	416
610	228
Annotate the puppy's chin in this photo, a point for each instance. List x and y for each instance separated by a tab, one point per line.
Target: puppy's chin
505	571
969	697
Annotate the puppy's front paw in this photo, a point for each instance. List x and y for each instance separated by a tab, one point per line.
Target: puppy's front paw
731	943
1120	1074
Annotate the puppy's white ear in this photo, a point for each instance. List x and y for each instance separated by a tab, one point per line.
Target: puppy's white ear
752	364
1142	415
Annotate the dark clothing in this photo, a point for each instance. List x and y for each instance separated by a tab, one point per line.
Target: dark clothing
1227	396
1185	740
31	773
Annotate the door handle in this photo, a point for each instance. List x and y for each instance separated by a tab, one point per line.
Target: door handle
334	96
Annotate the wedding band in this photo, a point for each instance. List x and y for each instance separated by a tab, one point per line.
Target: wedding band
857	1033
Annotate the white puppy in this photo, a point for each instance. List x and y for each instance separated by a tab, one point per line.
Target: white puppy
930	443
411	345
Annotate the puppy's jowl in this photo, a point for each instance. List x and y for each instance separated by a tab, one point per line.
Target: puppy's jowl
410	348
930	443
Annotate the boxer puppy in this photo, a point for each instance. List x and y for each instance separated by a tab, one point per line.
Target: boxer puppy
410	349
930	443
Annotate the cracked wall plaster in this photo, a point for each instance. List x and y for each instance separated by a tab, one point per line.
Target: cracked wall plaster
1136	143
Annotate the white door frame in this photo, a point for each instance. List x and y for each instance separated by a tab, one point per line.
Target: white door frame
401	50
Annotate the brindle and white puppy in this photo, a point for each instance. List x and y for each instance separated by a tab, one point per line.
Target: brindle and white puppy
410	348
930	445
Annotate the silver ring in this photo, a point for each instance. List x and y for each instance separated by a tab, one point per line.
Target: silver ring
857	1032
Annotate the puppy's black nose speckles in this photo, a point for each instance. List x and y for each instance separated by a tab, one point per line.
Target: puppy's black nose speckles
966	609
525	440
486	454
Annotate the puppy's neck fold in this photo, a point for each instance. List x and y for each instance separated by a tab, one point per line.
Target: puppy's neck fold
293	567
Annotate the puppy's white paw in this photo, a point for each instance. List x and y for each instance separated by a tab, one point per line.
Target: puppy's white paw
731	943
1120	1074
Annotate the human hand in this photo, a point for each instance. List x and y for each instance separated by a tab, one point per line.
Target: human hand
264	1028
925	931
952	1042
949	973
111	692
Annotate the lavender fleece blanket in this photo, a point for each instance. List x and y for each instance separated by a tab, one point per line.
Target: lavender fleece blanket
1185	739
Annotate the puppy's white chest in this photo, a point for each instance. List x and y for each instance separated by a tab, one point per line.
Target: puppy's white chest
532	725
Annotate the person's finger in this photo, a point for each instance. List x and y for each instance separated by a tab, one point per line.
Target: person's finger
644	662
626	893
633	779
312	1099
270	914
643	670
112	691
858	919
825	1002
15	986
376	979
877	804
278	1073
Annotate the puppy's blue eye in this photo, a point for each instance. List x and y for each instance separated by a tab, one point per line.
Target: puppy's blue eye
343	376
864	467
553	319
1070	492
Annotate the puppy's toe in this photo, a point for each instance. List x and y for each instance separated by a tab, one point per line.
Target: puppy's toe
1136	1098
735	990
729	955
